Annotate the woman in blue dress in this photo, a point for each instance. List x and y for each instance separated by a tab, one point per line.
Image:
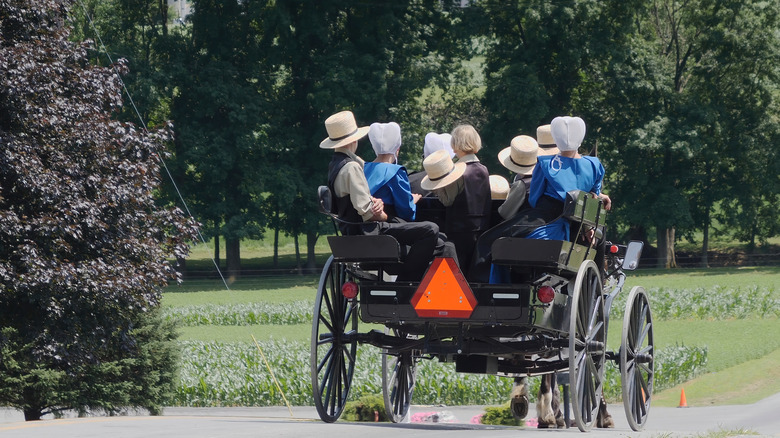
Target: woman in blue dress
387	180
555	175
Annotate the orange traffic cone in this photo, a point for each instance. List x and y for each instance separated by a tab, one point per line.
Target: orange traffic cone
683	402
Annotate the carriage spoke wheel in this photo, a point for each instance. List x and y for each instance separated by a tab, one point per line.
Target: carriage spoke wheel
398	378
587	342
333	345
636	358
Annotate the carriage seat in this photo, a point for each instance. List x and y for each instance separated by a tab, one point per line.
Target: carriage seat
358	248
583	211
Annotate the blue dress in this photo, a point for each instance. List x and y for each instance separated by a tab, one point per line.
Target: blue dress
555	175
390	183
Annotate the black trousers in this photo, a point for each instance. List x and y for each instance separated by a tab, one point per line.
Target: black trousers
422	240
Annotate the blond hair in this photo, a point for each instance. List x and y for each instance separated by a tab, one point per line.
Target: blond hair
466	139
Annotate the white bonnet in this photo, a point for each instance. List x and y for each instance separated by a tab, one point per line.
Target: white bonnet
437	142
385	137
568	132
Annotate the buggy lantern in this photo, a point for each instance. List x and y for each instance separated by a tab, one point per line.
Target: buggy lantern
349	290
545	294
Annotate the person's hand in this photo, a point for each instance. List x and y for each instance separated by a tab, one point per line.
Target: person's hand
590	237
416	197
377	210
607	201
377	205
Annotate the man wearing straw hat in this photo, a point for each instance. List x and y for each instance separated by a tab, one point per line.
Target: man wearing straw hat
364	214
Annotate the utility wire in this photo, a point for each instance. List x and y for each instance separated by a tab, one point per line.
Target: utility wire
143	125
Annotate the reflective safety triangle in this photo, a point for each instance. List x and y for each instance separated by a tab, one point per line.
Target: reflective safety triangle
444	292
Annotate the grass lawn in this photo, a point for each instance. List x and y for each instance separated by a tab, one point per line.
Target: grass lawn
251	290
296	332
688	278
745	383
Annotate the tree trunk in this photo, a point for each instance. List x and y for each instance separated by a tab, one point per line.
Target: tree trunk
705	244
163	5
233	258
311	260
298	266
216	250
666	258
32	414
276	239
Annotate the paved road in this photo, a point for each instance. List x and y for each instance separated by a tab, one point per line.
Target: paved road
762	418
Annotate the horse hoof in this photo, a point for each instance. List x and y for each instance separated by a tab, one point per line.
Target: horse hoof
519	402
606	422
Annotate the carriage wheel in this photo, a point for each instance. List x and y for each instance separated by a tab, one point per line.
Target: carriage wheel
587	342
332	351
636	358
398	378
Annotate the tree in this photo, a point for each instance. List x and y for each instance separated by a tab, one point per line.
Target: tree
139	32
544	59
327	56
706	69
219	111
83	244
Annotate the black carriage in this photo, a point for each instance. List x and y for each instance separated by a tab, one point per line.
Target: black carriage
552	318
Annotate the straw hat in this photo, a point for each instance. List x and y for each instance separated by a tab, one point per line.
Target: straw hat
342	130
385	137
545	140
499	187
441	170
520	156
568	132
437	142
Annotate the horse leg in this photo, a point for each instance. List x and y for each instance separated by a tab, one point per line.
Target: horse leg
555	403
518	398
544	411
604	419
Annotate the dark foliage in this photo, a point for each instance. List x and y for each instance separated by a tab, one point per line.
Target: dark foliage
83	246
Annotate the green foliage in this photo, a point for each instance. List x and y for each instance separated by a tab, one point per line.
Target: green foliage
707	303
673	365
366	408
83	243
501	416
298	312
141	374
233	374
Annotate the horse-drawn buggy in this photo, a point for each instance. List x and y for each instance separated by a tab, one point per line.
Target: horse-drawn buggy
552	318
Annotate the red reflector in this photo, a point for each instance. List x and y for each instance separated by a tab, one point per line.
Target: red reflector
349	290
613	249
545	294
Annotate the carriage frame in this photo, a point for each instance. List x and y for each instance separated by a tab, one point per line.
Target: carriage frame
552	318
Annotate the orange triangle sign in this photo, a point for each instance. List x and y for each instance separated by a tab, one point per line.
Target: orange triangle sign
444	292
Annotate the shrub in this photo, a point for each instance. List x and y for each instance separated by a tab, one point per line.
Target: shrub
366	408
501	416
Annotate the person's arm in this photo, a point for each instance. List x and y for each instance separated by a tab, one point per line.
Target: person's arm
515	198
448	193
599	170
403	198
537	186
359	194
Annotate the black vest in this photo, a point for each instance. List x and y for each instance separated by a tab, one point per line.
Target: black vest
342	206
